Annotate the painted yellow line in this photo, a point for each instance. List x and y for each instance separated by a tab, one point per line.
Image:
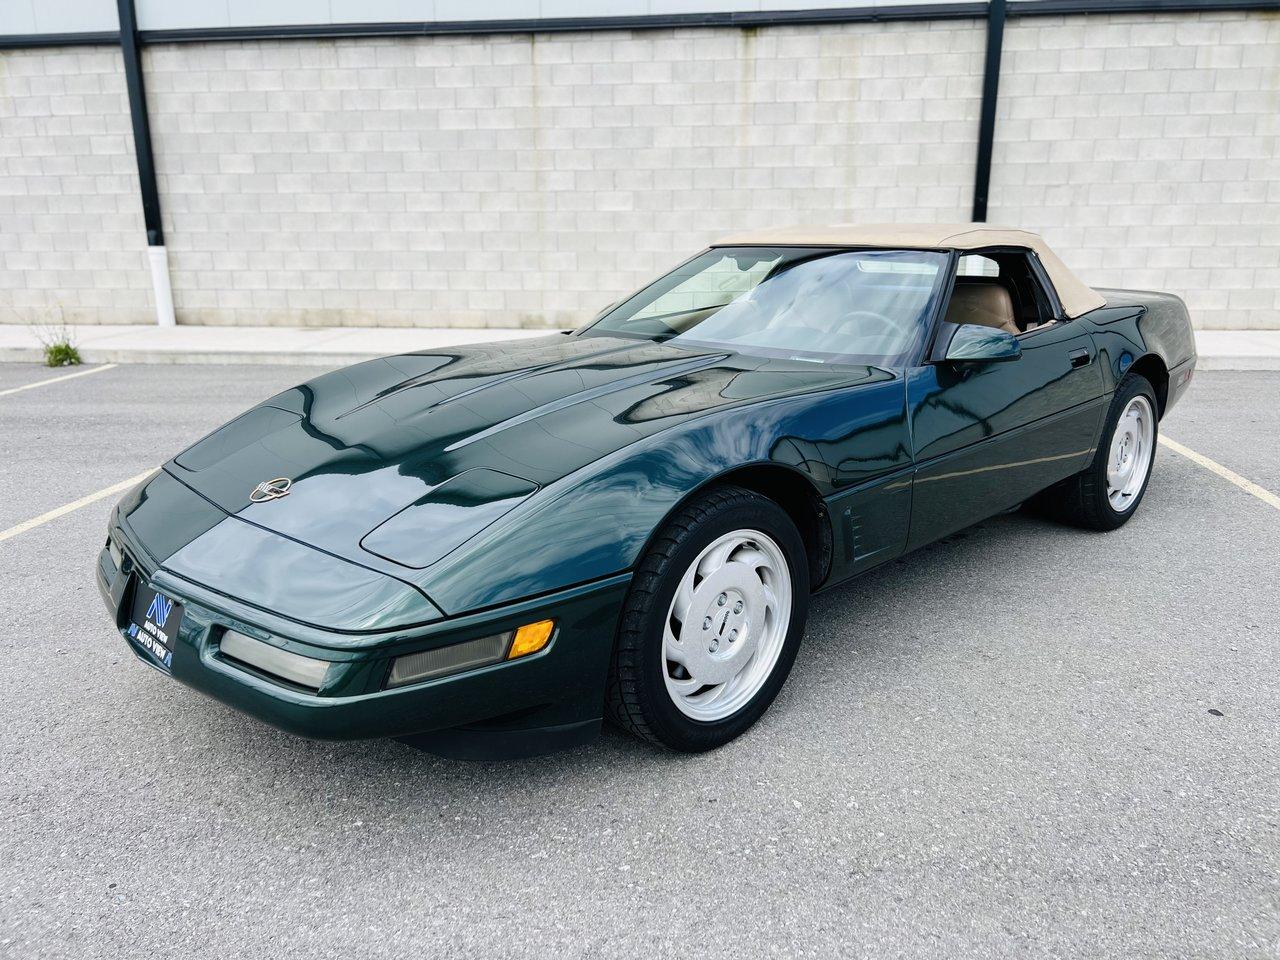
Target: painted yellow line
1248	486
68	376
75	505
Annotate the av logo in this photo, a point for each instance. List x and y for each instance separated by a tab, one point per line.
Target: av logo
158	612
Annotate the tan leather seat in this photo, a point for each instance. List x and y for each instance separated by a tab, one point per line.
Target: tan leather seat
987	304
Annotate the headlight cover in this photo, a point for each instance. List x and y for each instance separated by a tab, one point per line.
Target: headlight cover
294	667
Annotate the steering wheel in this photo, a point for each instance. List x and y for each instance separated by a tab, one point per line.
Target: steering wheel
889	330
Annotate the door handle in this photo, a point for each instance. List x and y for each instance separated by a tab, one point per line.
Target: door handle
1079	357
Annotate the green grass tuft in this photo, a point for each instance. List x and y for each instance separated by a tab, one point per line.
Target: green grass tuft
61	353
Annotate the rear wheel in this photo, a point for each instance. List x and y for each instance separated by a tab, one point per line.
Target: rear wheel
1105	494
712	622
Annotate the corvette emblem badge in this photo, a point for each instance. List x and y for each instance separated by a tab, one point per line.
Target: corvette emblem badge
271	490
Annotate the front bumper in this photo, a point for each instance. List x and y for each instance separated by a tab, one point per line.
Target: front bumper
562	685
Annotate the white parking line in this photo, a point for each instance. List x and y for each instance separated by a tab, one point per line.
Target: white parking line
1248	486
75	505
68	376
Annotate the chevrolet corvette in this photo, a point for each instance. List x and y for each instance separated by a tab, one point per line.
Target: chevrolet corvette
489	550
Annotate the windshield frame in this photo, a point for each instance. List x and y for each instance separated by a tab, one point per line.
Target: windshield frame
935	309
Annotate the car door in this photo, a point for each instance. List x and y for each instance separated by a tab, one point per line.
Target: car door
988	435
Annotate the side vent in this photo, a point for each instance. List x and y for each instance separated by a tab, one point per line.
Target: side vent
854	548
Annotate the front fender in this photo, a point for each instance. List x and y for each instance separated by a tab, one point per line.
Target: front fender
596	522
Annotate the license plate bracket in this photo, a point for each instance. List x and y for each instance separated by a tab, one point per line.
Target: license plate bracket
153	623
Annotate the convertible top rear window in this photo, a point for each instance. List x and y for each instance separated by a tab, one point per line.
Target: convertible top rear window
850	306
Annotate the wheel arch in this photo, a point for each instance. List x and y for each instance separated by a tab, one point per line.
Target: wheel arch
1153	368
793	491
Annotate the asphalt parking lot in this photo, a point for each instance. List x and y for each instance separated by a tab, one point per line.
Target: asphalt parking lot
1026	741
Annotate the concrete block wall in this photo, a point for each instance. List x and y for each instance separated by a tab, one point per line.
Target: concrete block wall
499	180
1146	149
72	242
530	180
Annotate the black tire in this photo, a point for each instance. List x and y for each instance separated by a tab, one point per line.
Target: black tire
1081	500
637	699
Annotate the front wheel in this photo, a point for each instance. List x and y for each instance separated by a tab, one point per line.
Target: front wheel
1105	494
712	622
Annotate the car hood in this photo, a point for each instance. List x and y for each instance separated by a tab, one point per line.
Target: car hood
399	460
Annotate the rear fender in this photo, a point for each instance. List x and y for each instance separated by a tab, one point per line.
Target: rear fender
1149	332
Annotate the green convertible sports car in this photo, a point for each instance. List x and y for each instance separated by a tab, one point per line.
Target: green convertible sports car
487	550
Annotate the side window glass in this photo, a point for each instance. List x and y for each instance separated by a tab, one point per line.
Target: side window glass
1034	307
1012	273
976	265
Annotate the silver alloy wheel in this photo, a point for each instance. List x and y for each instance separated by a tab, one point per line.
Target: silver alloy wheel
1129	459
726	625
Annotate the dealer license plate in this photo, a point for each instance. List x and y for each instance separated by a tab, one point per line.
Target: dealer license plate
153	623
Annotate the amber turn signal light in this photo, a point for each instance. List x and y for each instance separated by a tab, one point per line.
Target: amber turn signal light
531	638
469	655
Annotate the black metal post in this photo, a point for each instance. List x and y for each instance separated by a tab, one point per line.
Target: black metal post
132	53
987	122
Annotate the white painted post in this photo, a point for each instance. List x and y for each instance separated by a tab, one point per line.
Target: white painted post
160	286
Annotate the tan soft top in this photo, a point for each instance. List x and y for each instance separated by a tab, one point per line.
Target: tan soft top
1076	297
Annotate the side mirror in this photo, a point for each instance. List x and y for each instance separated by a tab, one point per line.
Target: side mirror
974	343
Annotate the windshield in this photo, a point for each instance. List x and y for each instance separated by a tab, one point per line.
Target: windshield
851	306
